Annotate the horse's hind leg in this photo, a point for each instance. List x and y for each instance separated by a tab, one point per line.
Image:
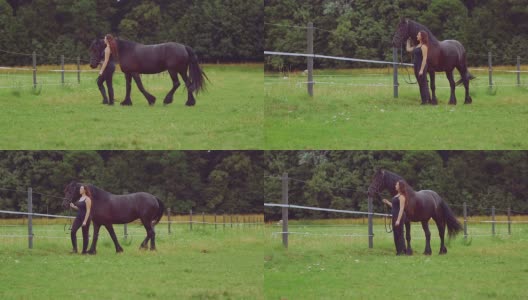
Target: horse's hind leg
441	225
111	231
408	237
151	235
425	226
175	85
190	98
151	99
452	99
464	73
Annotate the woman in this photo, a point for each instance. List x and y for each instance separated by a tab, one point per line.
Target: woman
398	216
83	208
420	64
108	69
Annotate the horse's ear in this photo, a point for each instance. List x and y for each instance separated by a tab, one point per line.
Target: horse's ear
406	20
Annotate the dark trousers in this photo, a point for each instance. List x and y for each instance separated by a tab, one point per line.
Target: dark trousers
397	232
107	75
422	82
85	230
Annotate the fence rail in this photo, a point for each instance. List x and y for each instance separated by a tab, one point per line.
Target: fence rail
285	206
223	220
309	55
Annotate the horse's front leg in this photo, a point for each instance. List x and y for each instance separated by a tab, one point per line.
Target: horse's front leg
408	237
151	99
93	250
434	100
111	231
128	78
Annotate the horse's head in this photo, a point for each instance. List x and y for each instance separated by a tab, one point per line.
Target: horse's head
71	193
376	183
402	33
96	52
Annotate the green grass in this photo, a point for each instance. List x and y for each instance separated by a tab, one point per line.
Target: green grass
344	116
229	115
327	265
202	264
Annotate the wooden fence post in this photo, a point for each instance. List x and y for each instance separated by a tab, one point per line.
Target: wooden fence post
125	229
62	69
34	69
168	219
490	70
285	210
518	70
465	221
30	217
215	220
493	220
509	220
203	220
78	69
395	71
370	223
190	220
309	50
223	221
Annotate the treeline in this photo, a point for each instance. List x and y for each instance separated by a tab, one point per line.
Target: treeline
364	28
340	179
205	181
219	31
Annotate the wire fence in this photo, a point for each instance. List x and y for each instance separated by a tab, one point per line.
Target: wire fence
306	78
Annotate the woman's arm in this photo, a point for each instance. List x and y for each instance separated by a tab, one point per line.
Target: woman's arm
402	207
73	206
88	210
424	59
387	202
409	48
106	59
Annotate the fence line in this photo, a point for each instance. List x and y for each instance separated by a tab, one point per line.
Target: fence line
310	57
326	209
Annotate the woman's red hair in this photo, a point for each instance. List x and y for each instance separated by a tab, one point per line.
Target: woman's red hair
113	44
423	34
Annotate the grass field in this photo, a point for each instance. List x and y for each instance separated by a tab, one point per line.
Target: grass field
229	115
343	115
199	264
323	262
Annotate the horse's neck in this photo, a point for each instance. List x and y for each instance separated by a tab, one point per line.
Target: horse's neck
419	27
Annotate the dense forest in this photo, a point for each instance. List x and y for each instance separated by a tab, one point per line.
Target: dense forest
218	31
340	179
205	181
364	28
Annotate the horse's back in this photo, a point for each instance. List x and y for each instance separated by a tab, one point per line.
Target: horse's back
156	58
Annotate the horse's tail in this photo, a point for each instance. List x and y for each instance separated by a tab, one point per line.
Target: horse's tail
453	226
196	73
160	212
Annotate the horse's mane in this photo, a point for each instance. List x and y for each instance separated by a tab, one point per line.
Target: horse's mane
415	27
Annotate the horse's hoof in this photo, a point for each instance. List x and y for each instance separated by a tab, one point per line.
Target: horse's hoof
409	252
153	249
105	102
190	102
92	252
468	101
427	253
120	250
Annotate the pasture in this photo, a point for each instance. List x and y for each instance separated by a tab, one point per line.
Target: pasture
228	115
323	262
200	264
355	109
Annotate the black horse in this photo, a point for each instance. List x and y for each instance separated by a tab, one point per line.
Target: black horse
108	209
442	56
135	59
420	207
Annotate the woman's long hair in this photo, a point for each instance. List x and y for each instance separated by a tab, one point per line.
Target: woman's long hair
87	192
423	34
405	190
113	45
